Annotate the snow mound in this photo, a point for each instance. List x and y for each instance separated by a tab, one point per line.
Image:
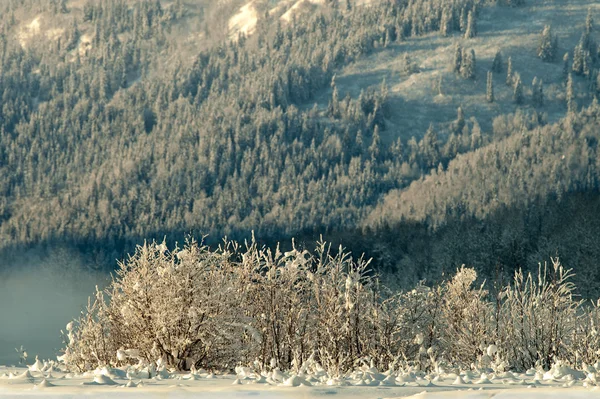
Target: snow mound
191	377
44	384
560	371
337	382
483	379
293	381
101	380
389	381
459	381
111	373
26	376
37	366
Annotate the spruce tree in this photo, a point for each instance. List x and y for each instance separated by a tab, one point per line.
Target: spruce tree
429	148
509	72
446	22
565	70
468	66
587	63
497	63
589	22
593	83
578	60
457	62
537	92
570	95
490	87
471	30
374	148
518	90
463	20
459	123
547	47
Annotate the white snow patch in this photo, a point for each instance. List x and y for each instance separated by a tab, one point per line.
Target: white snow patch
244	21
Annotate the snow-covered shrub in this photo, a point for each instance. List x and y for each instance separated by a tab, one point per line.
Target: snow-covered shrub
539	318
88	338
177	306
585	342
274	295
345	309
409	328
321	312
468	319
196	306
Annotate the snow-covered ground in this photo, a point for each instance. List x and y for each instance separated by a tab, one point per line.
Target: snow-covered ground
47	380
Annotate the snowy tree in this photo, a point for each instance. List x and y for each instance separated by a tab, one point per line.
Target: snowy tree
509	73
565	69
537	92
548	45
468	65
497	62
489	93
518	90
589	21
458	58
471	29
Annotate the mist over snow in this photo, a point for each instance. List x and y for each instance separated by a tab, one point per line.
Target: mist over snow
39	295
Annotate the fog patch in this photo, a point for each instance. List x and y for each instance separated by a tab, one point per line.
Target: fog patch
40	292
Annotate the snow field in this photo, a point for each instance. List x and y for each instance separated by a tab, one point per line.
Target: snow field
50	379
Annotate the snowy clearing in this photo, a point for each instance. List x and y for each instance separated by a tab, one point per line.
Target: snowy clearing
133	383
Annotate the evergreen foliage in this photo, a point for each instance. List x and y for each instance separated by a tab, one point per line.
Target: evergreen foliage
489	93
548	45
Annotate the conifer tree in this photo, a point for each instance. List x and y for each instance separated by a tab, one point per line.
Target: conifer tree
429	148
587	63
459	123
468	66
446	22
578	59
537	92
570	95
548	45
374	148
457	62
489	94
565	70
471	30
497	63
463	20
593	82
589	22
518	90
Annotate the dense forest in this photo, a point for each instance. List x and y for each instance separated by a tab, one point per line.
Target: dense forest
112	132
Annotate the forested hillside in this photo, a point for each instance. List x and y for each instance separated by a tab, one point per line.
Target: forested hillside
124	120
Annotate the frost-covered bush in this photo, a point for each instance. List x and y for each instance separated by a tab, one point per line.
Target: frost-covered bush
302	311
177	306
539	318
88	338
217	308
468	318
586	336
